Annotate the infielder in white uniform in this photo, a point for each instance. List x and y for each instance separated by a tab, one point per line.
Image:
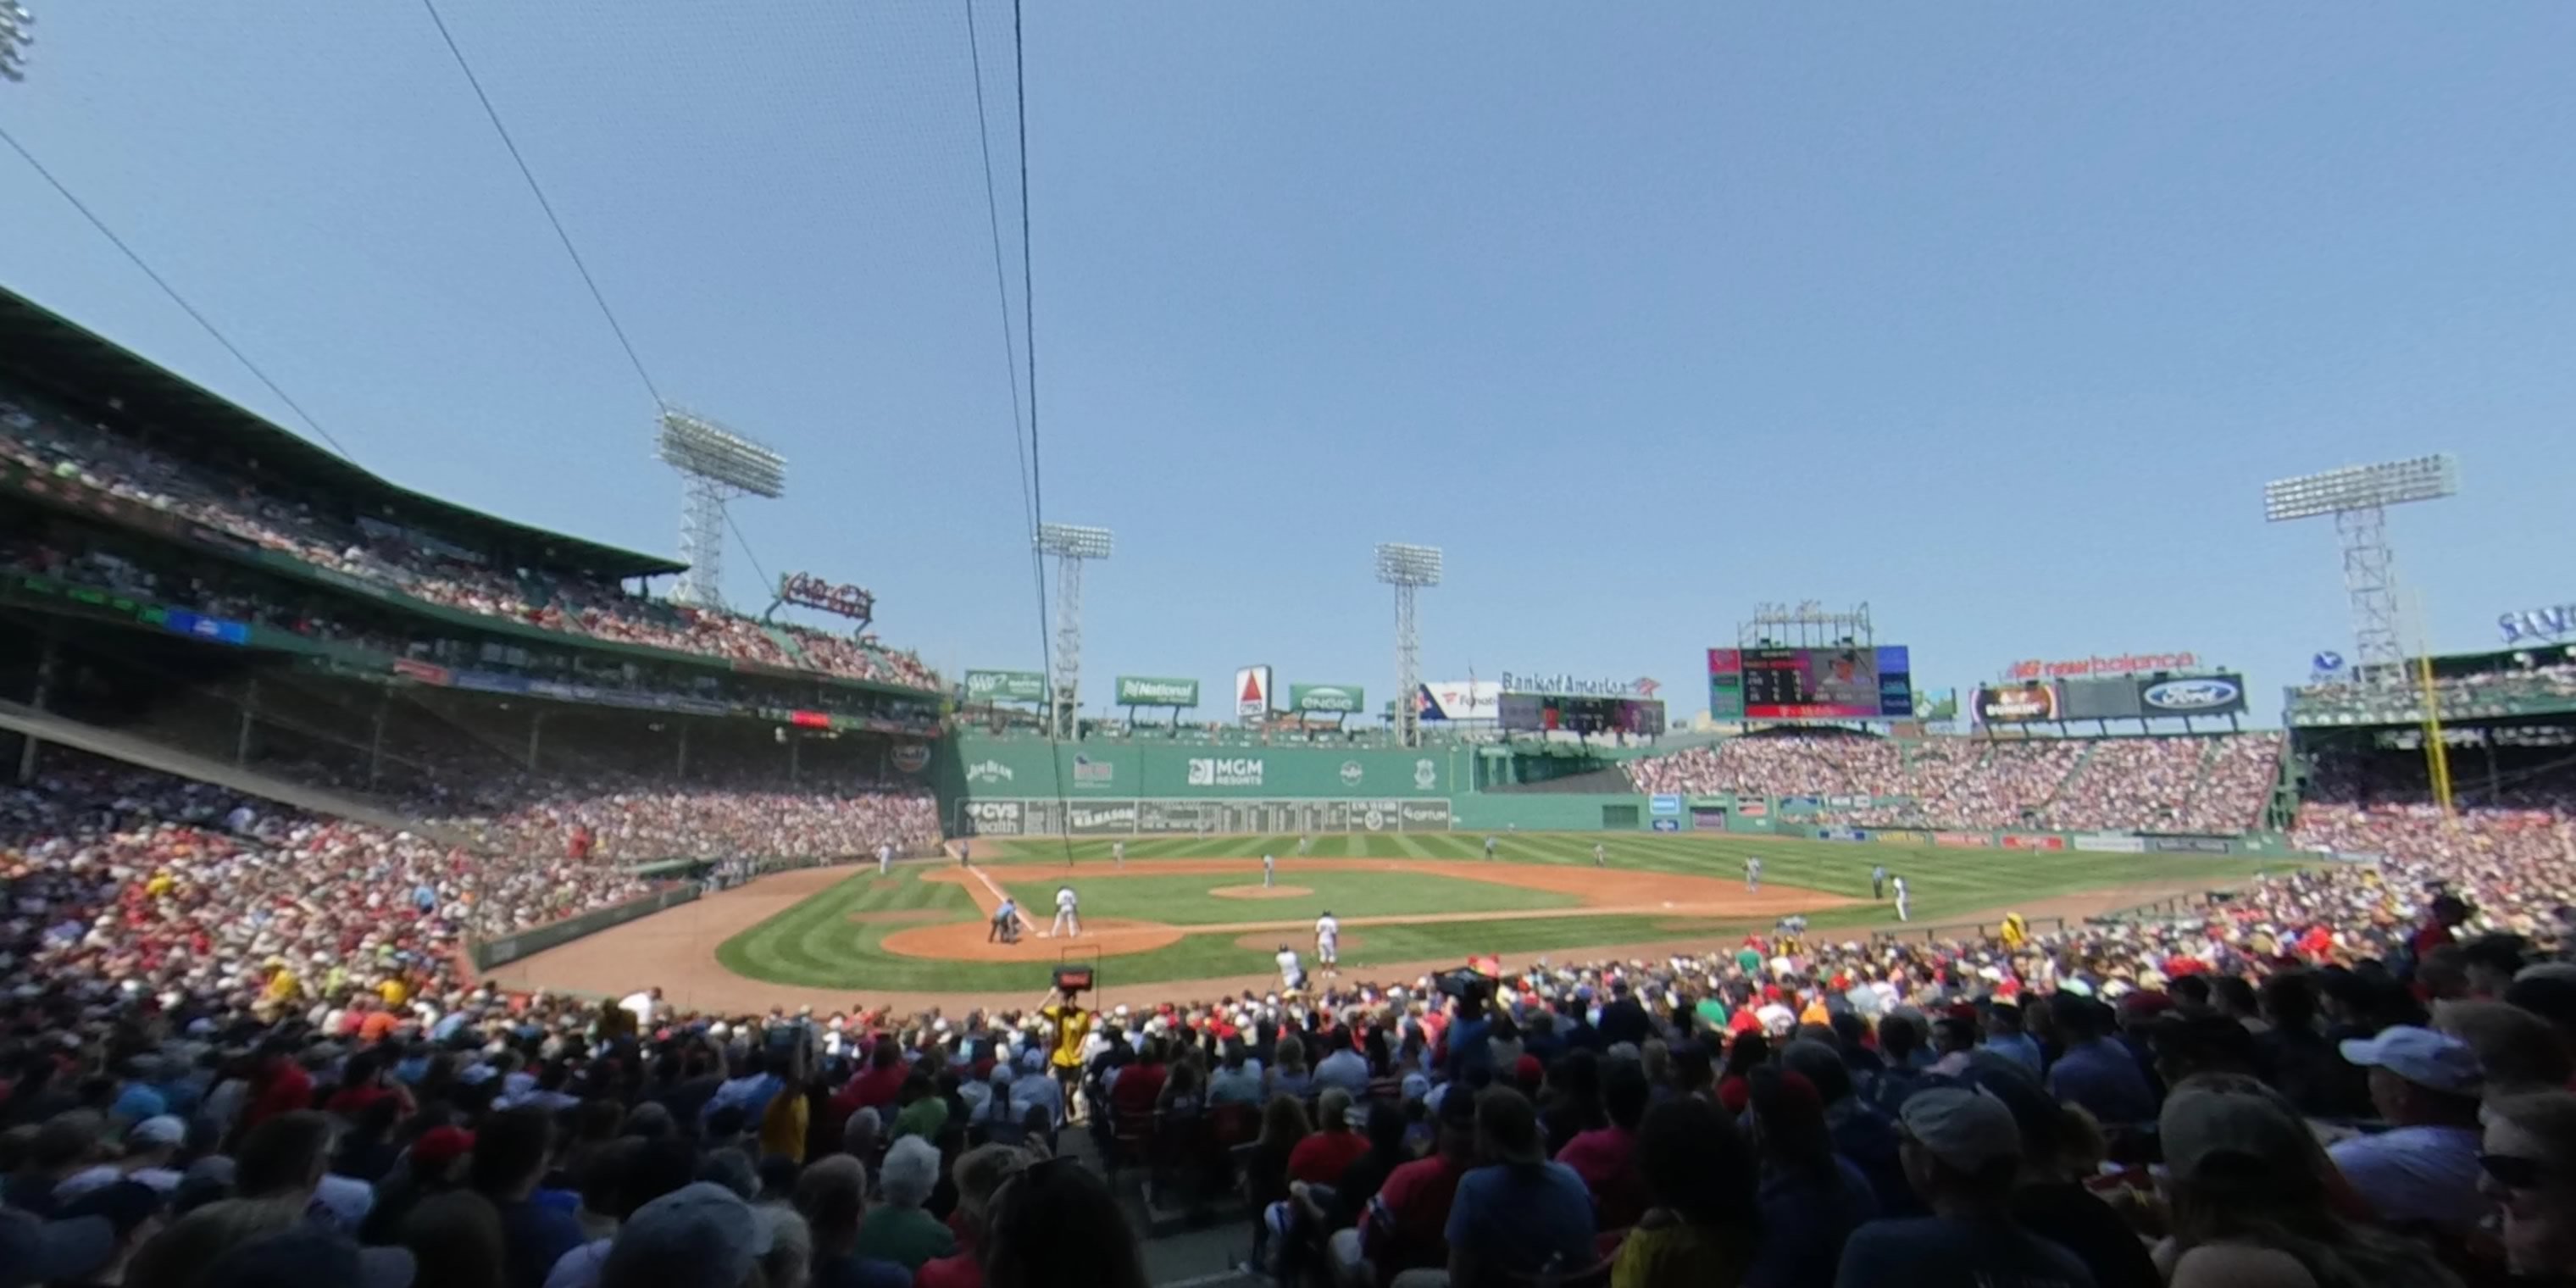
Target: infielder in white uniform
885	858
1304	844
1269	872
1600	857
1292	974
1118	853
1489	847
1753	874
1068	918
1900	900
1328	944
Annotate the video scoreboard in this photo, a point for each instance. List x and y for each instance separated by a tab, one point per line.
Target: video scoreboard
1848	682
1572	713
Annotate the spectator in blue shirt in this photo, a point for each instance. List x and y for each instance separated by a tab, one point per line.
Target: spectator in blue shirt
1518	1214
2004	1037
2096	1073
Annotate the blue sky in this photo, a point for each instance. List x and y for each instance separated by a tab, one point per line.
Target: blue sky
1993	316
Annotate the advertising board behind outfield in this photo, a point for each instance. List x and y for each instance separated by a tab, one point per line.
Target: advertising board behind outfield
1154	691
1006	686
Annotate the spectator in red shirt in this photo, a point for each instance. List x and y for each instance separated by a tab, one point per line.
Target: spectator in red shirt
280	1086
1405	1226
1140	1084
362	1083
876	1086
1606	1157
1321	1159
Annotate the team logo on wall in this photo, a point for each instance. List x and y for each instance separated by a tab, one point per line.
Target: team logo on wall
1351	773
1426	775
911	757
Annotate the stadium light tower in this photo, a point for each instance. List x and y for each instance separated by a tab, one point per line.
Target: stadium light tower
2358	496
1408	569
715	465
1071	544
16	35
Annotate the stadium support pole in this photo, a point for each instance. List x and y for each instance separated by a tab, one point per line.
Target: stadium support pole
28	746
536	732
2437	758
249	713
376	737
684	751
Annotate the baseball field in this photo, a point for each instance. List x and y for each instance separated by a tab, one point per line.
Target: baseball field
1195	909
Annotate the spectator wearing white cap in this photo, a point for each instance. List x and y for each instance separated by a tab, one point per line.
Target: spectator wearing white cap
2424	1169
701	1235
1961	1153
150	1145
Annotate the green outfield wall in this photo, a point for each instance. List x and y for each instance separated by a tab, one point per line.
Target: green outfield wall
991	786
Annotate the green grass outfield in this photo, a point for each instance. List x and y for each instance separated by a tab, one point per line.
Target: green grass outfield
816	944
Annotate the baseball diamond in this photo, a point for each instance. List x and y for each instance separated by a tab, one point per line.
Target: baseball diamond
1173	917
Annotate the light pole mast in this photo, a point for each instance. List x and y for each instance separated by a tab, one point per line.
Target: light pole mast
1408	569
715	465
1071	544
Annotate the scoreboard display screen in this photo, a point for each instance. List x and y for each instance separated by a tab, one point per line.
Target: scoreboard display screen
1570	713
1850	682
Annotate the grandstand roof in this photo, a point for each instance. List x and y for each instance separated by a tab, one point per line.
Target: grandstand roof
64	356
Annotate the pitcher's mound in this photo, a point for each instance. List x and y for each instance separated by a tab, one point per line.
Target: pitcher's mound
963	941
1259	892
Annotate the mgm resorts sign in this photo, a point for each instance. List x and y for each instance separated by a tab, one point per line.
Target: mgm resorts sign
1578	686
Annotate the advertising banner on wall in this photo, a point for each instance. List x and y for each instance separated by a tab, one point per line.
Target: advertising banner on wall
1461	700
1006	686
1252	694
1153	691
2034	842
2189	845
2023	703
1327	699
1964	840
2142	697
2105	843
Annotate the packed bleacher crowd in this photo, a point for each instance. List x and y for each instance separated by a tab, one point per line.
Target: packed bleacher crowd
2546	685
91	458
2354	1074
2172	784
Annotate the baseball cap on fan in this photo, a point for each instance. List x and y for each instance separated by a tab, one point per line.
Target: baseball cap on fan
2420	1056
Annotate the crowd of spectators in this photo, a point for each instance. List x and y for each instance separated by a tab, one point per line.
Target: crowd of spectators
2174	784
2552	684
417	566
232	1025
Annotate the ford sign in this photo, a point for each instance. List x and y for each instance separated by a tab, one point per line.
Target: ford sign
2202	694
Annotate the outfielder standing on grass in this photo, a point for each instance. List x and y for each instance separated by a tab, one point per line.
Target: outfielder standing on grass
1304	844
1269	872
1118	853
1489	846
885	857
1600	857
1752	874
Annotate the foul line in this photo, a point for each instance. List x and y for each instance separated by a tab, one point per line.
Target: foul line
999	898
